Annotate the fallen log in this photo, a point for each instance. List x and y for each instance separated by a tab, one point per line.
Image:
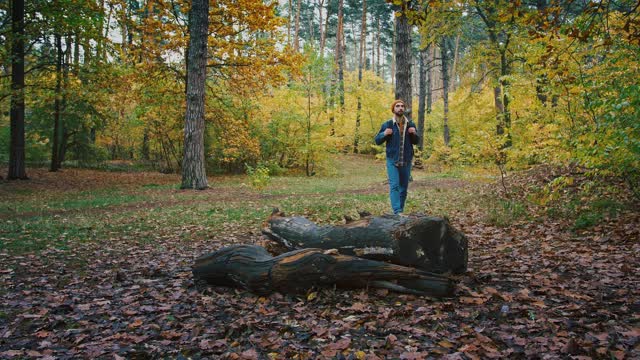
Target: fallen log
251	267
424	242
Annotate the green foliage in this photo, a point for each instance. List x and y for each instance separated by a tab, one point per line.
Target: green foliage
258	176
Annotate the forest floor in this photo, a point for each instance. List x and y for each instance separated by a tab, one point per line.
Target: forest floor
98	265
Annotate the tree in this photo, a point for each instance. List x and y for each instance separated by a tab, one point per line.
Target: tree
444	53
193	163
422	93
403	89
57	115
499	19
17	148
356	137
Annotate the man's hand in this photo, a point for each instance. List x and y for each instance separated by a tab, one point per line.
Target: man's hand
388	132
412	130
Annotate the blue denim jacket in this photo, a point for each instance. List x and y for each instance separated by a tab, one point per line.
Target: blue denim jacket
393	140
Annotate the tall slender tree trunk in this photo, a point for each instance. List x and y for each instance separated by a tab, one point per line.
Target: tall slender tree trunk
378	67
64	139
308	156
363	34
430	66
17	146
422	94
429	100
55	144
125	33
289	23
323	29
497	100
296	36
454	76
340	47
403	63
445	88
504	83
393	54
437	75
193	163
310	18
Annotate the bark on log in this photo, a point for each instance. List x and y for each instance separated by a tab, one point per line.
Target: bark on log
424	242
251	267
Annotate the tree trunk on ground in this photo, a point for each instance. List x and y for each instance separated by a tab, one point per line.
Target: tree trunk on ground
193	164
403	63
17	147
424	242
251	267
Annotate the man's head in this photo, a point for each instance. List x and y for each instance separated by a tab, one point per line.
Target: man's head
397	107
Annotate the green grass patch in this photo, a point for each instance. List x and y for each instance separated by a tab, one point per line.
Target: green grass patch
71	201
357	185
39	233
596	212
501	212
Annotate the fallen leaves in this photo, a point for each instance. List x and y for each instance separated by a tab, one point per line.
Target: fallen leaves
533	288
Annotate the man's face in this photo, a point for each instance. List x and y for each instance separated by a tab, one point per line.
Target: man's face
398	109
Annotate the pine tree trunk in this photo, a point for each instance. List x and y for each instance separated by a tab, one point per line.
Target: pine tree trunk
422	94
323	30
17	147
393	55
403	63
445	88
504	82
455	64
340	47
497	100
363	33
289	23
430	63
310	16
64	136
296	36
378	67
193	164
55	143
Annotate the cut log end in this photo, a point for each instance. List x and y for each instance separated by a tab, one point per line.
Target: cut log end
424	242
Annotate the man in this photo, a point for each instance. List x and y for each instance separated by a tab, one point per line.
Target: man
400	135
